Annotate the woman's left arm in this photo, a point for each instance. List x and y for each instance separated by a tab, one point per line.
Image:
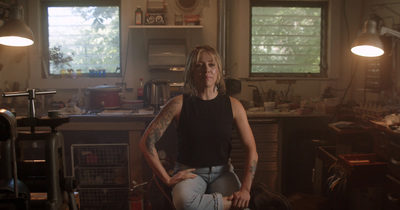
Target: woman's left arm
247	139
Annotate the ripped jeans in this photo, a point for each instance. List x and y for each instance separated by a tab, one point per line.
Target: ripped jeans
207	189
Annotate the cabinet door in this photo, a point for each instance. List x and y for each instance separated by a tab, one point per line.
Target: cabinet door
266	134
381	144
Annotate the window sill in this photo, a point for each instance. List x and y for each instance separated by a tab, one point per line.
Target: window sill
166	26
74	83
287	78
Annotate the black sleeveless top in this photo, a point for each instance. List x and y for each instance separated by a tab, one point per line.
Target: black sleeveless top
205	131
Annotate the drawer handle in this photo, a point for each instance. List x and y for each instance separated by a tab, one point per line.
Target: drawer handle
392	199
394	161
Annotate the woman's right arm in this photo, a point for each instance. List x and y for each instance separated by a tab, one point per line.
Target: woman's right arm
153	134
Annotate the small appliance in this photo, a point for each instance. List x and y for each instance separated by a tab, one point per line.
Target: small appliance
156	93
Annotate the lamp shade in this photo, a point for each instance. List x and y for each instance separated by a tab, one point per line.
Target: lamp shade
368	43
15	32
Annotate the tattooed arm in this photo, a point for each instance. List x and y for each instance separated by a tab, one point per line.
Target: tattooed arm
153	134
242	197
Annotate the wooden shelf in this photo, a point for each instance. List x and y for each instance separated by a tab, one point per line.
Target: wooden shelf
165	26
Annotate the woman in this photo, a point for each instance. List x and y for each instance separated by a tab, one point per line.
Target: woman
204	177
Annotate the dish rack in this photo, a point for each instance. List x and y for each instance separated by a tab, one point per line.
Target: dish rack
102	173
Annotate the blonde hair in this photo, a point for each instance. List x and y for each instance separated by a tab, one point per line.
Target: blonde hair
189	86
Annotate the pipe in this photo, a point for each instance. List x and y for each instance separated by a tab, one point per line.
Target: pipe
222	16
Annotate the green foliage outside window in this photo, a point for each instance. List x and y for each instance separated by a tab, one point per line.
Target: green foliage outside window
88	35
286	40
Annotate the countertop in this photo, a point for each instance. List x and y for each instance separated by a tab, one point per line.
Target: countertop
149	117
129	117
259	114
110	118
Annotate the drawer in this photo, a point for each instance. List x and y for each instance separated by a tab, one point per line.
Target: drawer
392	198
356	166
266	152
381	142
267	172
263	133
394	160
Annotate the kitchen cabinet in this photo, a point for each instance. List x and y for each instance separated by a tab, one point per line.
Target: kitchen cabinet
274	134
266	133
380	188
169	32
286	147
387	147
191	35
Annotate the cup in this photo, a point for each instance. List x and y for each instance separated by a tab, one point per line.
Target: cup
179	19
251	104
52	114
269	106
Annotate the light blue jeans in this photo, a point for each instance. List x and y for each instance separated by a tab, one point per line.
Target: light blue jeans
207	189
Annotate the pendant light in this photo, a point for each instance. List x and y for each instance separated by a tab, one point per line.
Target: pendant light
15	32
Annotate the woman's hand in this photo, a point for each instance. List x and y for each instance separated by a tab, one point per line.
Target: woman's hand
240	199
181	175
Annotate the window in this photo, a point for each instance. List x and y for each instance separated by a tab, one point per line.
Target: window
82	38
288	39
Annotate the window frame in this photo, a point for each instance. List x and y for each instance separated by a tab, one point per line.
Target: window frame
71	3
324	5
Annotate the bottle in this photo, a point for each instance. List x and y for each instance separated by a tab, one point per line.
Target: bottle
165	12
140	90
139	16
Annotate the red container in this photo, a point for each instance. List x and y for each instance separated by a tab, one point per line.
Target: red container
135	202
363	170
105	97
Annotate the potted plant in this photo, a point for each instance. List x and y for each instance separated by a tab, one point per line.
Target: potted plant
59	59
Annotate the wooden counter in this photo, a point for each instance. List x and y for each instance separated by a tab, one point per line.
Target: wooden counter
97	129
284	115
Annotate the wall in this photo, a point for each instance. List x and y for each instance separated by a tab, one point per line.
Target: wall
389	11
238	60
23	65
134	49
346	71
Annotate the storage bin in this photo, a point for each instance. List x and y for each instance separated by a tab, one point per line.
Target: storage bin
102	173
102	176
103	197
100	155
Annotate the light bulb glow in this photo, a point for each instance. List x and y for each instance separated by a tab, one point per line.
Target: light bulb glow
367	51
15	41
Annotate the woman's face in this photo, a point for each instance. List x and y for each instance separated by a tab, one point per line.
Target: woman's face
205	71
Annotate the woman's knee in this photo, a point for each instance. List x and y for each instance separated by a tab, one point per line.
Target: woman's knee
185	201
188	193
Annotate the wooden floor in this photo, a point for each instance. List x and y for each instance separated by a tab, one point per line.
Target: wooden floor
303	201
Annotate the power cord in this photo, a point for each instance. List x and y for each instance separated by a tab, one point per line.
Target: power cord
163	192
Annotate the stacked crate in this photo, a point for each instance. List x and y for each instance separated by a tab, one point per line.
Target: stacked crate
103	175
